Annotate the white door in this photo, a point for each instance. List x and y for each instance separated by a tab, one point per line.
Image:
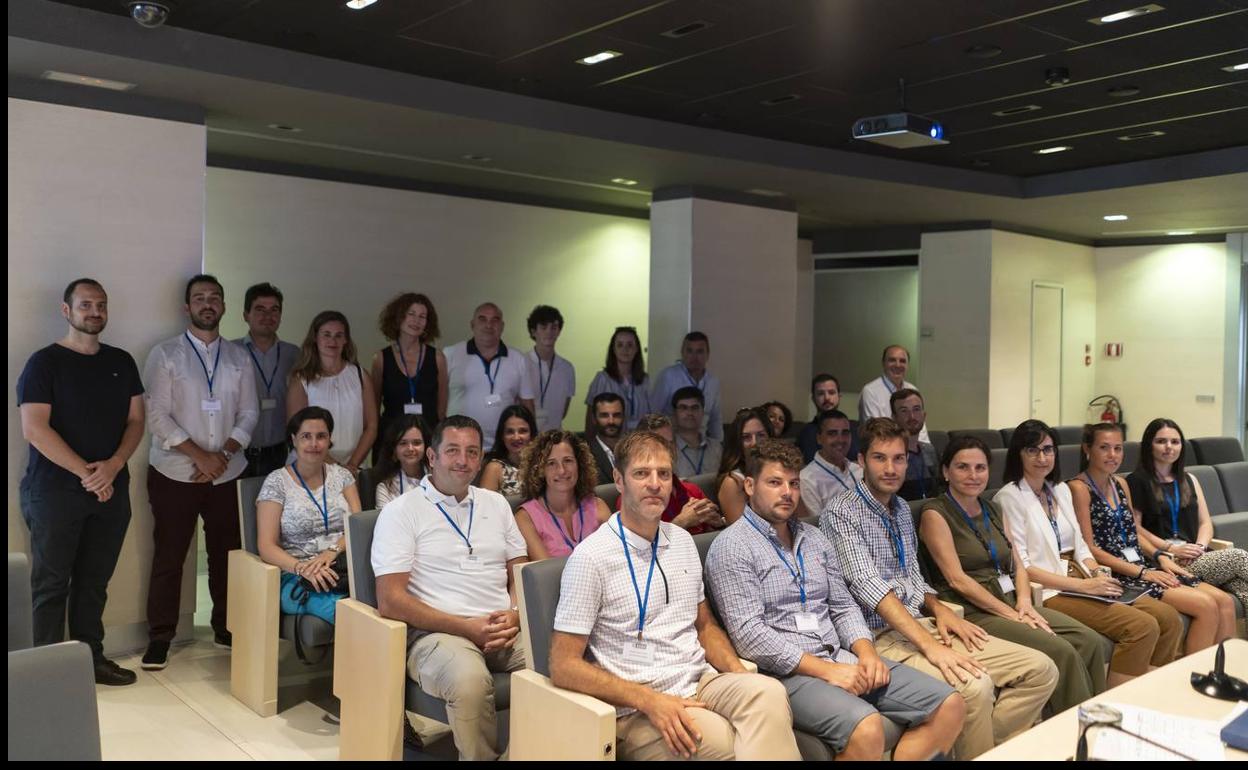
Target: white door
1046	352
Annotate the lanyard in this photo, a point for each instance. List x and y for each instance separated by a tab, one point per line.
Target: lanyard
412	381
580	516
466	538
1126	535
832	473
894	531
402	476
1173	504
498	359
268	381
800	573
654	558
700	385
984	539
888	384
543	386
323	506
204	364
701	457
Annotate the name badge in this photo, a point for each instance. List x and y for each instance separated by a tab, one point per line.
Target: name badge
1006	582
493	400
639	653
267	404
1130	554
806	622
471	563
413	409
210	405
1063	567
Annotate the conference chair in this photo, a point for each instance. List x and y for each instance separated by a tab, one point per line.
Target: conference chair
609	494
367	487
1215	450
370	667
940	440
707	483
1234	478
1006	435
254	617
515	501
1130	456
996	470
1068	459
1068	435
53	714
987	435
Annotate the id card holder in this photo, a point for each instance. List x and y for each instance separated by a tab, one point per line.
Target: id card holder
1006	582
413	409
1064	566
1131	555
470	563
639	653
268	404
807	622
493	400
210	405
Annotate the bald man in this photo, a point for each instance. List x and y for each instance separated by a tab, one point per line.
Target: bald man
874	399
485	376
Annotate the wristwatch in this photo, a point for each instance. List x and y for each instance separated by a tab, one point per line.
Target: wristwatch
228	454
334	548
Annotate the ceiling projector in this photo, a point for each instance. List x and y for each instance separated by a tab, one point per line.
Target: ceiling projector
901	130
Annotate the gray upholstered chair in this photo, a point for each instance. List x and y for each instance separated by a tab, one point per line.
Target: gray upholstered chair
1211	485
987	435
1215	450
1069	435
1130	456
367	486
940	440
609	494
706	483
1234	478
1068	460
1006	435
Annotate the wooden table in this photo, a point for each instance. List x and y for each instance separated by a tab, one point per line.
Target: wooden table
1168	690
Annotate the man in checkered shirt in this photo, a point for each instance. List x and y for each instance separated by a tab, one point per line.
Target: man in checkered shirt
874	535
657	653
778	587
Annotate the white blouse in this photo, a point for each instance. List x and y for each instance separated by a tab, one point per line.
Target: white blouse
1031	534
343	395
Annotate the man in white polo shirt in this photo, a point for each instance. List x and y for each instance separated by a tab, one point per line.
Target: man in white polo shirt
552	377
484	376
831	473
443	557
658	652
873	400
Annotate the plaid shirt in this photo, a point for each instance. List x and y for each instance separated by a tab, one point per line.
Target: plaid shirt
758	596
869	548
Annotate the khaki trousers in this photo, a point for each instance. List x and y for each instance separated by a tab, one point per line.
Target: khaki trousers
1147	631
1025	677
457	671
747	717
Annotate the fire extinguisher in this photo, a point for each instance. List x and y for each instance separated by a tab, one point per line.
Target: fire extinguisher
1106	408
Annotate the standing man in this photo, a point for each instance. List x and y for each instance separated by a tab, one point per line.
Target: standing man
552	379
696	452
273	359
825	394
608	411
690	371
201	410
921	461
484	378
831	473
873	400
657	653
443	556
82	412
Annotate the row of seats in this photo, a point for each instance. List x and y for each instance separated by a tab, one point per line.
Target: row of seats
1213	450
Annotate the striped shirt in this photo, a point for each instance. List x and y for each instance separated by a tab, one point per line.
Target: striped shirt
758	596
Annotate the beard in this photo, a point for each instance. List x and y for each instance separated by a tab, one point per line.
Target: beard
89	326
610	431
203	325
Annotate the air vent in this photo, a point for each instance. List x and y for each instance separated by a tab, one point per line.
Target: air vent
1141	135
1017	110
687	29
781	99
1122	92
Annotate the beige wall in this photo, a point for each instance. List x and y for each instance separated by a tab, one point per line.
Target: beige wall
1167	306
351	248
121	199
1017	262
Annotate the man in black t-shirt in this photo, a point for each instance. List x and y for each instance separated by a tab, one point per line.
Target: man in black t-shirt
82	412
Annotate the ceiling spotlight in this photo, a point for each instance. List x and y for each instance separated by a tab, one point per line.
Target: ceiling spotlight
1129	14
149	15
1051	150
1237	67
357	5
1122	92
86	80
625	182
1140	135
1056	76
1115	217
599	57
1007	112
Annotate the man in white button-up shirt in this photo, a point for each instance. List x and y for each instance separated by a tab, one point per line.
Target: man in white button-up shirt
873	401
443	556
201	410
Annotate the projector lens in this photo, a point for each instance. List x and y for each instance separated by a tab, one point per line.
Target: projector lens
938	131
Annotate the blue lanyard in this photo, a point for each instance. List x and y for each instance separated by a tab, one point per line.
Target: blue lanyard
833	473
491	377
800	573
985	538
1057	535
323	506
466	538
888	384
1173	504
894	531
1126	531
695	383
701	458
204	364
580	516
268	381
412	381
546	385
654	558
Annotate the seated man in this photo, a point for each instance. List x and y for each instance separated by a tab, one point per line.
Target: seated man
443	556
825	394
688	507
831	473
659	657
696	452
608	426
874	536
922	479
778	586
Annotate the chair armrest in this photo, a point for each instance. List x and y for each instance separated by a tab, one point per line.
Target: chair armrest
53	713
253	612
370	670
551	724
1217	545
1037	594
956	608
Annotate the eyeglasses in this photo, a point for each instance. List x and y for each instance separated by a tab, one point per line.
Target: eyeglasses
1047	450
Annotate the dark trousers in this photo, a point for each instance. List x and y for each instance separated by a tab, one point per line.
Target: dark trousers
176	505
261	461
74	544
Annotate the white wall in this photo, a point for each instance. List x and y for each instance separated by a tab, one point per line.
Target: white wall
120	199
330	245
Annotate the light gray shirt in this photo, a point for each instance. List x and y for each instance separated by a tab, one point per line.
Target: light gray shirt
272	370
675	377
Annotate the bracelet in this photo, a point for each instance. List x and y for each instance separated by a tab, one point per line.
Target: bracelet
1141	575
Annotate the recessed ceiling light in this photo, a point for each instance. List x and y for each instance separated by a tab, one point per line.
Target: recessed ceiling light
781	99
86	80
623	181
356	5
1140	135
687	29
1237	67
477	158
599	57
1008	111
1122	92
1181	232
1128	14
1115	217
1051	150
983	51
284	127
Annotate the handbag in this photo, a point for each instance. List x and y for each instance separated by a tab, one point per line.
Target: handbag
339	566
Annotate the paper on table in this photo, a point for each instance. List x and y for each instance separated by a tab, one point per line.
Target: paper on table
1197	738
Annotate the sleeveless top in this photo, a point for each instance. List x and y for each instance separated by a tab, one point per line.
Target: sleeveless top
395	389
343	395
972	551
551	530
1155	515
509	484
1114	530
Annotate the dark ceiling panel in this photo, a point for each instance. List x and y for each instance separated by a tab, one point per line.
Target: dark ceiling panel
1071	22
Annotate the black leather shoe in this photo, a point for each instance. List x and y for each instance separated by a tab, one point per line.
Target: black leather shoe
108	672
223	639
156	657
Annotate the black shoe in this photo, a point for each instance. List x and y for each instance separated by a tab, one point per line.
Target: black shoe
410	739
108	672
156	657
222	639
